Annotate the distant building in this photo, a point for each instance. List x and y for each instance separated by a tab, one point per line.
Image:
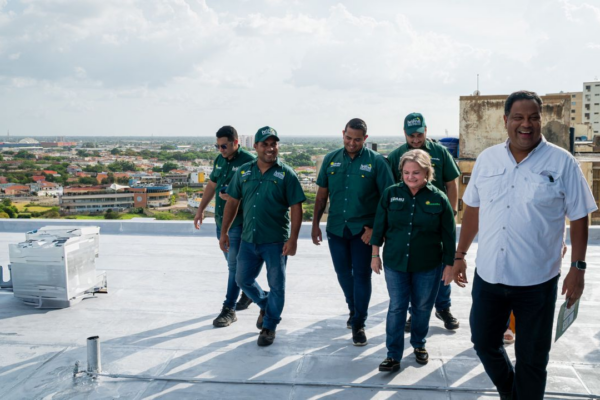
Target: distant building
247	141
73	169
591	105
46	189
576	116
58	144
17	190
371	145
96	199
38	178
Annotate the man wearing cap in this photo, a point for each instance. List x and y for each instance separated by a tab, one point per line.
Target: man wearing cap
353	178
446	174
518	197
224	167
267	190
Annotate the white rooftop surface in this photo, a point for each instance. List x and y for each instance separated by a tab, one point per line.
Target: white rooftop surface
156	320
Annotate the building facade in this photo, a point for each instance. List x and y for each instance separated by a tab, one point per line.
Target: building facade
591	106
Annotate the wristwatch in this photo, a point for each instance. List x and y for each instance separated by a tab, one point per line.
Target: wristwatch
580	265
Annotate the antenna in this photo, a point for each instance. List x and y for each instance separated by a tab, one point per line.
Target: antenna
477	92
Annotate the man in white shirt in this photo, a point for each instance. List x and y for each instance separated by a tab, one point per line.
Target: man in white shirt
518	197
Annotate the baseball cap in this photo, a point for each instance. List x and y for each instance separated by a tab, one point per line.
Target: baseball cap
264	133
413	123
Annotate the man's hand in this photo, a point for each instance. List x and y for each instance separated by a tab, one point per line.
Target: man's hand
573	285
376	265
459	272
366	237
289	248
224	196
198	219
317	235
448	275
224	242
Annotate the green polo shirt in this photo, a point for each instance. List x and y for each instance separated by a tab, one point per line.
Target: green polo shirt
266	199
222	173
442	162
419	229
355	186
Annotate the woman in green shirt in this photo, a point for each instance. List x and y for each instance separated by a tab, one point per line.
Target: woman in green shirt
417	223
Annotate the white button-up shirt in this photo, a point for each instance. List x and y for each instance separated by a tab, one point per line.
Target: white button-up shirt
522	209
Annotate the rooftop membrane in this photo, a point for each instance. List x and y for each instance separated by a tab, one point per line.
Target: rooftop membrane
156	321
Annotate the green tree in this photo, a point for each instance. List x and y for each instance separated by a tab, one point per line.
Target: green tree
110	214
168	147
4	215
116	151
88	180
169	166
7	202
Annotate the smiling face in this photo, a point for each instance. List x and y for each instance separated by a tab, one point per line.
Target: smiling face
416	140
413	175
231	148
267	150
354	140
524	126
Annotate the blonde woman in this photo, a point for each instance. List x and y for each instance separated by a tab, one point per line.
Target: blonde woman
416	222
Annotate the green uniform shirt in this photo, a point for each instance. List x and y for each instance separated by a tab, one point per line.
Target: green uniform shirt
419	230
266	199
355	186
222	173
442	162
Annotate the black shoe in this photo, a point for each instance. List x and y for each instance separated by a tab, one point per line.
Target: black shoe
421	355
450	322
407	325
349	322
266	337
389	365
243	303
226	318
259	321
358	336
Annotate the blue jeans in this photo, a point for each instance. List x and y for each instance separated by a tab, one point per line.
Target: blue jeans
233	290
442	300
421	288
352	263
250	261
533	307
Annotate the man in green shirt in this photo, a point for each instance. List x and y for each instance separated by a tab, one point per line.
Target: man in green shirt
353	179
446	180
269	189
224	167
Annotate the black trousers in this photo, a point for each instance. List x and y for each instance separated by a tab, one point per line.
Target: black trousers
533	307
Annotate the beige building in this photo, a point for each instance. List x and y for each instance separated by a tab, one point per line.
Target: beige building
591	106
576	109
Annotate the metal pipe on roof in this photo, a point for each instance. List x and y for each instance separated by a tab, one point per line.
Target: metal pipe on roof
93	355
328	384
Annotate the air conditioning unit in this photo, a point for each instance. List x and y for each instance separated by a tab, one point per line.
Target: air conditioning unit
56	267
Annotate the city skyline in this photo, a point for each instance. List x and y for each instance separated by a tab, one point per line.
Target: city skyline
185	68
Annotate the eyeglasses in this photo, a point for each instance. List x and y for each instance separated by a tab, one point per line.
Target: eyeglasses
222	146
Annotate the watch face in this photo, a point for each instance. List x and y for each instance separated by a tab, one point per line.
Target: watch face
579	265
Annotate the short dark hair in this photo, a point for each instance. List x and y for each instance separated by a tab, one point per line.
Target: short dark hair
521	95
228	132
357	123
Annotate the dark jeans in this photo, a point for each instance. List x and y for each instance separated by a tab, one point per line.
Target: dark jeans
250	261
421	287
533	307
233	290
352	263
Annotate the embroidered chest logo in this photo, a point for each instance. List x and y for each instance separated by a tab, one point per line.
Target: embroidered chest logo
335	164
218	167
246	173
428	203
394	199
279	174
235	169
366	167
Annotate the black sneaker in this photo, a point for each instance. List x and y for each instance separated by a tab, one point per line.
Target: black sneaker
407	325
421	355
266	337
358	336
450	322
389	365
259	321
243	303
349	322
226	318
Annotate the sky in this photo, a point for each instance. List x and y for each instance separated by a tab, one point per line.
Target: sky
188	67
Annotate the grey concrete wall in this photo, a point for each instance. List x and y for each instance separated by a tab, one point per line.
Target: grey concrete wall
172	228
482	122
